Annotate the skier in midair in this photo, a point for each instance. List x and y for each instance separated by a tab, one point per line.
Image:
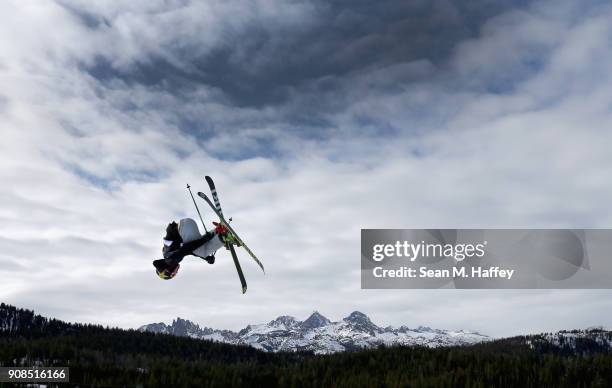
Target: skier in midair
184	239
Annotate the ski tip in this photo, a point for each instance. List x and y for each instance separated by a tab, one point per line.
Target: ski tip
244	290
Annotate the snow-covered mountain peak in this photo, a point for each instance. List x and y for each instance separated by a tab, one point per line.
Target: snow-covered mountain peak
427	329
358	317
315	320
320	335
361	322
156	328
284	320
184	327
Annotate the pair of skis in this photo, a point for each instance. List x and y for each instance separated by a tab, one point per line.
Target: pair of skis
216	207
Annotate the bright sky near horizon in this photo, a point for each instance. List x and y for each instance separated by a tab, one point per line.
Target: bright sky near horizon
316	119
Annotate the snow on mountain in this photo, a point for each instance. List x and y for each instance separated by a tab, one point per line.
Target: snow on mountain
314	321
320	335
573	341
185	328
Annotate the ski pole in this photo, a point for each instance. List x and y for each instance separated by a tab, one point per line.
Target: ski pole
196	206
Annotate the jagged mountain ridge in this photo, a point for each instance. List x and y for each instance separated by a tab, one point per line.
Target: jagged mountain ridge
320	335
25	324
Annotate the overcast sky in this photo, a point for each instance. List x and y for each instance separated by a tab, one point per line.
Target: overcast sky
316	119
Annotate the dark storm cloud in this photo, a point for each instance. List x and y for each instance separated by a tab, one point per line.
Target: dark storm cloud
266	62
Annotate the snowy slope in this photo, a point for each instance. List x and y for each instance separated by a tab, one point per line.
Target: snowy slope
573	341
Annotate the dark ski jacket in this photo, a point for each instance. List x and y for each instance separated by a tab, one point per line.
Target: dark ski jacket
175	250
178	250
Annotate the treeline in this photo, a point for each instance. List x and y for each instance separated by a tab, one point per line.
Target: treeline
100	356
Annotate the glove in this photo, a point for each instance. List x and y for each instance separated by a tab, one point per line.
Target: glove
220	228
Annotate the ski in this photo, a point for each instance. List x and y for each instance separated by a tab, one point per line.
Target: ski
239	269
224	222
213	190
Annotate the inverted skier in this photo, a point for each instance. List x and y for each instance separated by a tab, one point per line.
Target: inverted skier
184	239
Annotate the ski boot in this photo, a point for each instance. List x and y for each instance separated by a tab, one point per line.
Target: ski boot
225	235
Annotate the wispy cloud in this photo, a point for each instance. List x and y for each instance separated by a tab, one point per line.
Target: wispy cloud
316	119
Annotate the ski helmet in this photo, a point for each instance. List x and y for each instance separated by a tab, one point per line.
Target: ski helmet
169	272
